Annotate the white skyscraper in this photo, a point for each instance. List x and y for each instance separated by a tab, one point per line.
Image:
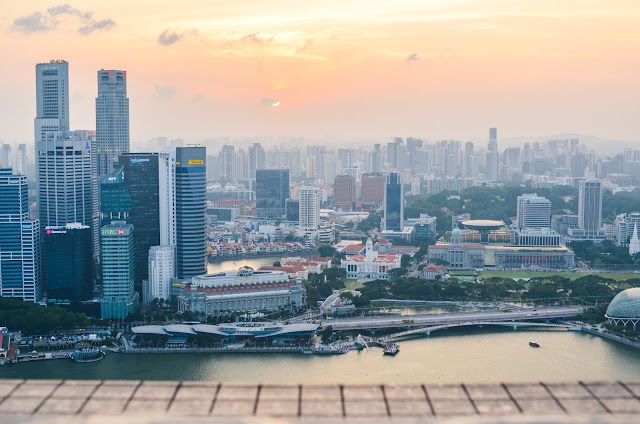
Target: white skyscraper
533	211
161	271
67	181
167	196
590	207
112	118
52	98
309	208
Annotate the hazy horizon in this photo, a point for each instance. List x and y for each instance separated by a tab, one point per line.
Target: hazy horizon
432	69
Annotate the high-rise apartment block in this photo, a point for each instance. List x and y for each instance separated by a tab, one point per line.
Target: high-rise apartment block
393	204
493	157
19	240
309	212
112	118
118	271
272	190
182	207
533	211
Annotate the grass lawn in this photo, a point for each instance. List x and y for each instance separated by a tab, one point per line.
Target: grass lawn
571	275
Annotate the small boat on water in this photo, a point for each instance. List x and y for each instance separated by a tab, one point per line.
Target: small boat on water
534	344
391	348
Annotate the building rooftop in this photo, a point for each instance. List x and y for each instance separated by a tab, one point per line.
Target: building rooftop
146	402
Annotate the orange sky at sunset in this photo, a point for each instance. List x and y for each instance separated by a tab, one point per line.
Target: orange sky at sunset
431	69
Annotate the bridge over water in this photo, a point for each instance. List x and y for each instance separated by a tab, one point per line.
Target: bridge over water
428	330
413	321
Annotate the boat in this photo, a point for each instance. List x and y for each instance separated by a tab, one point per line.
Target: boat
391	349
87	354
534	344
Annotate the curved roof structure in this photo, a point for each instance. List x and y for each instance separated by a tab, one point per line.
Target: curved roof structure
483	224
256	329
625	305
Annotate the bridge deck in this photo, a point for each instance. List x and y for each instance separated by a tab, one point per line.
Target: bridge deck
141	402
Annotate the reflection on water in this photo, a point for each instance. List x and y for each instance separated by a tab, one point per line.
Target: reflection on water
451	356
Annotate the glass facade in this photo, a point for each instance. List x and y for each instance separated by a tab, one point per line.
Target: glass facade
68	263
393	204
272	190
19	240
141	180
115	199
190	194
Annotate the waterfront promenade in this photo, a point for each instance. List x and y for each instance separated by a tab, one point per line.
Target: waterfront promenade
110	401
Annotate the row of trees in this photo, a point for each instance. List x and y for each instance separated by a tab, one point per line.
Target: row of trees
32	318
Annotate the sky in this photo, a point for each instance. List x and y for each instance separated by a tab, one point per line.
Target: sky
200	69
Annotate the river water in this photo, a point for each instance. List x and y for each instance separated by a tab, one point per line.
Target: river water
451	356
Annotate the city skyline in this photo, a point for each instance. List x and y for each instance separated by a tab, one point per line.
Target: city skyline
415	66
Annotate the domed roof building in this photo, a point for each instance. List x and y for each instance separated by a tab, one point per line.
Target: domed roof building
625	308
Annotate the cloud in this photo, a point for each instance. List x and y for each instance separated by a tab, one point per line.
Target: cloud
168	37
255	38
96	25
66	9
165	92
53	17
36	22
412	57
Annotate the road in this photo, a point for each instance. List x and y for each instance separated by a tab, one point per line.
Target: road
356	323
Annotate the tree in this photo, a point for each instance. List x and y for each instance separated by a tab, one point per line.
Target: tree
326	251
397	273
326	333
405	261
277	263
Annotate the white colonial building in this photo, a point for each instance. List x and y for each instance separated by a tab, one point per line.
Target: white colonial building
372	265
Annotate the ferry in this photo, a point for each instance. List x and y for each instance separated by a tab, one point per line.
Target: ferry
87	354
534	344
391	349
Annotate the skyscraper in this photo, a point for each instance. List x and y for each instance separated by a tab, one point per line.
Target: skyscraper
141	180
182	205
272	189
344	191
112	118
161	271
52	98
372	189
115	199
590	207
393	204
257	159
309	209
493	166
66	182
533	211
68	263
19	240
118	267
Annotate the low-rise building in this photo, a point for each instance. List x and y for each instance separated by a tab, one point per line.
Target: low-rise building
431	271
244	290
372	265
